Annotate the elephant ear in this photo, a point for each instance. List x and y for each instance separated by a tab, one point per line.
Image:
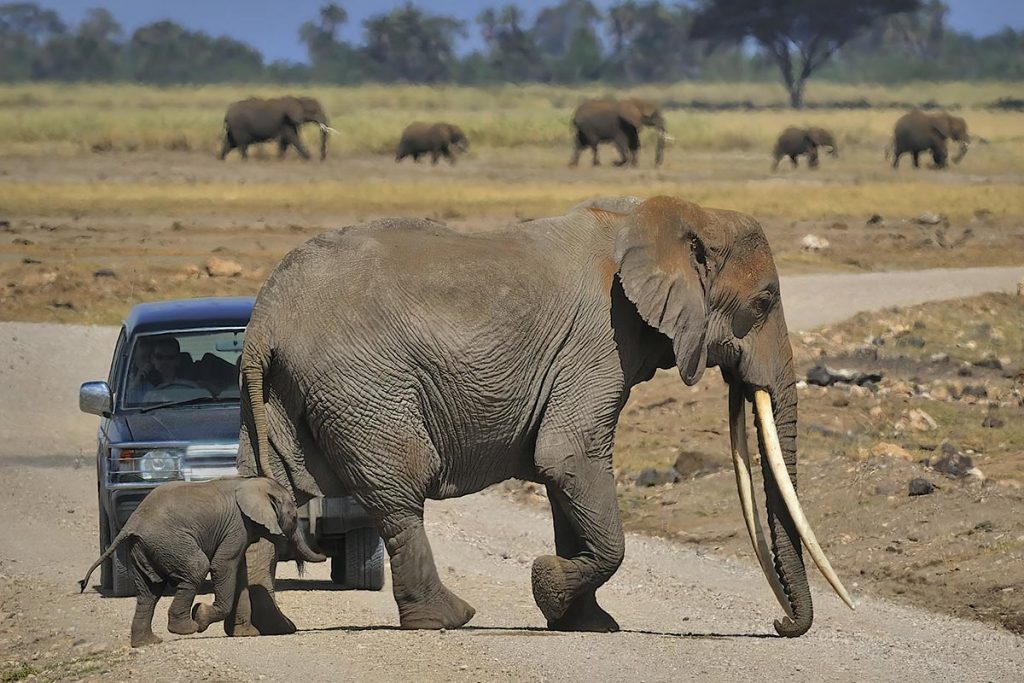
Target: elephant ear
662	264
293	111
258	504
940	122
631	114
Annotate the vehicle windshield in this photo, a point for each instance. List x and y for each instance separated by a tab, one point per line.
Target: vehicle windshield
183	367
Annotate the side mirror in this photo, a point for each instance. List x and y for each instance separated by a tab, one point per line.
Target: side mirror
94	398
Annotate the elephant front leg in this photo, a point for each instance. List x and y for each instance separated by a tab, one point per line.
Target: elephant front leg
584	614
190	578
256	612
224	572
589	524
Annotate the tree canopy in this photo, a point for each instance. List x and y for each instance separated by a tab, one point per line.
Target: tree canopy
569	41
800	35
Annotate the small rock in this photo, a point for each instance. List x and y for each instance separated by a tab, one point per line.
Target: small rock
911	340
690	464
929	218
952	462
650	476
891	450
920	487
985	525
221	267
918	420
868	351
975	390
104	272
989	361
991	421
938	358
814	243
903	388
875	219
940	392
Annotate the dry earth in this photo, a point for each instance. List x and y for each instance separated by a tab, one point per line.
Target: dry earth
688	610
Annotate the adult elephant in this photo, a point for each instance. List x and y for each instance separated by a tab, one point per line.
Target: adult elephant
259	120
918	132
618	122
435	139
399	361
794	142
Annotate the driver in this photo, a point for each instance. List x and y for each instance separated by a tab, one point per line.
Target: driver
167	378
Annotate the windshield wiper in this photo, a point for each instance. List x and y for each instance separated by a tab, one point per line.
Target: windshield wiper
186	402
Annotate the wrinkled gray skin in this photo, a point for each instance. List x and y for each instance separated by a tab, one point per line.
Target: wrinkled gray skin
259	120
794	142
183	530
400	361
918	132
618	122
435	139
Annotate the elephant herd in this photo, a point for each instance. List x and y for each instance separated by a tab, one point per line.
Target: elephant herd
618	122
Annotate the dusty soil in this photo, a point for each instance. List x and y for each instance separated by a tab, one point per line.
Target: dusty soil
87	265
691	604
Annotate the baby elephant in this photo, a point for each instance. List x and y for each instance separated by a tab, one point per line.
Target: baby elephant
796	141
435	139
184	530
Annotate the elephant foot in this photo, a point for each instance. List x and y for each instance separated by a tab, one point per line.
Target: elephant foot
584	614
146	638
182	627
556	584
267	618
240	630
446	610
202	614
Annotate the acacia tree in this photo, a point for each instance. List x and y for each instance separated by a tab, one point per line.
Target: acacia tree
800	35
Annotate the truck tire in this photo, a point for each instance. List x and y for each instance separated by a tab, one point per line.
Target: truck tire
106	573
362	565
122	583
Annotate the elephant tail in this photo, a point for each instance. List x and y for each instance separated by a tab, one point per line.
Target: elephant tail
126	531
255	364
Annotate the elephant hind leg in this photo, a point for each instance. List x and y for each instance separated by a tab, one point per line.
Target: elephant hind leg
229	144
282	147
147	593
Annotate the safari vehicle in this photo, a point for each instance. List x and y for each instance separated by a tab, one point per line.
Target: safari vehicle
169	411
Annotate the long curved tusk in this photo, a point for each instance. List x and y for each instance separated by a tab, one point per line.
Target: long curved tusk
745	488
773	451
327	129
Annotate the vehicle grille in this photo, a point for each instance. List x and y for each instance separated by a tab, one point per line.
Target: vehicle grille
209	460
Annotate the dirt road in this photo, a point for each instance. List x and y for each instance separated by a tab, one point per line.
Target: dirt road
684	615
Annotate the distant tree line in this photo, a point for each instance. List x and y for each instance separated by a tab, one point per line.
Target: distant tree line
568	42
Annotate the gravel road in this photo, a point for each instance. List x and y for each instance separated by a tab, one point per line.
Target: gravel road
684	615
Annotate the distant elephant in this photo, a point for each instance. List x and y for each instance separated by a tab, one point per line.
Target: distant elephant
917	132
794	142
435	139
259	120
399	361
183	530
619	122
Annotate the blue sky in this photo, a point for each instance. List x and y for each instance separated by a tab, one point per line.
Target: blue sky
272	26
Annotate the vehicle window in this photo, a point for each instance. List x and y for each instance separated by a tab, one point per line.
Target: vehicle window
165	368
115	364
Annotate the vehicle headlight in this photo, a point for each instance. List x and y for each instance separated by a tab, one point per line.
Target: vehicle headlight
159	464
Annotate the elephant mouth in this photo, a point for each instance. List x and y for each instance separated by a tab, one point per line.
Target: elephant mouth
772	459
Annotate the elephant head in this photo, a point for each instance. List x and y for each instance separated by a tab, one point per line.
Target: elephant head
300	110
706	279
640	113
269	507
454	136
820	137
951	127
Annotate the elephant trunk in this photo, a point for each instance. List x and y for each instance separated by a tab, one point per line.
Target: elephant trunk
324	132
785	539
303	553
659	149
961	150
776	419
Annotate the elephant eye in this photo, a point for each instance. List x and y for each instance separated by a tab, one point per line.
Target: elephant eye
697	247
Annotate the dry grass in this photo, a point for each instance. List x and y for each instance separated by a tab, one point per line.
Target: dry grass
438	196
